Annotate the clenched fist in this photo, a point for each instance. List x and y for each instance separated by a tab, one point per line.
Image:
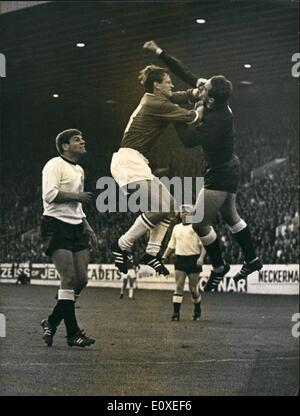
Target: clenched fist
151	46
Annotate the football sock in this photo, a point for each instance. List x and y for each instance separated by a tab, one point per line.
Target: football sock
177	301
212	246
137	230
67	299
157	235
57	314
197	308
241	233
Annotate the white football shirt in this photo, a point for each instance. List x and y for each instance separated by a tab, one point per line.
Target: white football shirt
185	240
61	175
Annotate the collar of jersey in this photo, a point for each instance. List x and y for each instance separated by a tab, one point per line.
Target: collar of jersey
69	161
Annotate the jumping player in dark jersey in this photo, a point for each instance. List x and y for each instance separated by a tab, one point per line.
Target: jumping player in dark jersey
221	180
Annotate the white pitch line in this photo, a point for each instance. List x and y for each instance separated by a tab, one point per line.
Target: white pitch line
118	362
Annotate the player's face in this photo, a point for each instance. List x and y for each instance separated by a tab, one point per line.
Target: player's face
183	216
166	86
77	145
205	91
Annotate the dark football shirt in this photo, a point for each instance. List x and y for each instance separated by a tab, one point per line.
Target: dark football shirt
151	118
215	133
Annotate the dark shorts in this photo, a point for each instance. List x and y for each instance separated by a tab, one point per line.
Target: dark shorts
225	177
59	234
187	264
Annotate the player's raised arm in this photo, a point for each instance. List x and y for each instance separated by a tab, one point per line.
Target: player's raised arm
176	66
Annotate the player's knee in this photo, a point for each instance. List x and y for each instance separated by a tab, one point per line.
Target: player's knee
229	219
194	291
179	288
68	278
201	229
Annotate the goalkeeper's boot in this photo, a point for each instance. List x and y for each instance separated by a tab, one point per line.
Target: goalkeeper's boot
248	268
215	278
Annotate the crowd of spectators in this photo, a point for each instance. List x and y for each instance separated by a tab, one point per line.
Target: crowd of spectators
268	202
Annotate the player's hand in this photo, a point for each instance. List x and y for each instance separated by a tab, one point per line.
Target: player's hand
92	237
199	265
85	197
199	262
151	46
201	82
199	105
199	108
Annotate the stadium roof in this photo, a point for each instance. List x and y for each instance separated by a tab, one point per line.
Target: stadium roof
42	58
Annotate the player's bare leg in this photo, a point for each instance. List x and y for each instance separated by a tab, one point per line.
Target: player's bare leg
81	261
131	288
124	285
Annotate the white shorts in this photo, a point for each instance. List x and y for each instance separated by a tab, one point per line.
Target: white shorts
129	165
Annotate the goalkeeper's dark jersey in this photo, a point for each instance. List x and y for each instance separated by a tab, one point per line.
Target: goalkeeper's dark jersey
151	117
215	133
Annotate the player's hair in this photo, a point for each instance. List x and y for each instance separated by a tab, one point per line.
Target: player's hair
150	74
221	89
64	137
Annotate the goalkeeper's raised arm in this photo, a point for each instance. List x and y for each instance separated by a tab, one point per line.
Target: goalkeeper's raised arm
176	66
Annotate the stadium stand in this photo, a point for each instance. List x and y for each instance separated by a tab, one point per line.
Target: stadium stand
268	202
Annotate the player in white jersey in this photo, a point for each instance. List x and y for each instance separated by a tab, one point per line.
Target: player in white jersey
129	277
130	165
66	233
189	259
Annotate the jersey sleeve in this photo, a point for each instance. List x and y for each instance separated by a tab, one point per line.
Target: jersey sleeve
172	112
51	180
184	97
179	69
